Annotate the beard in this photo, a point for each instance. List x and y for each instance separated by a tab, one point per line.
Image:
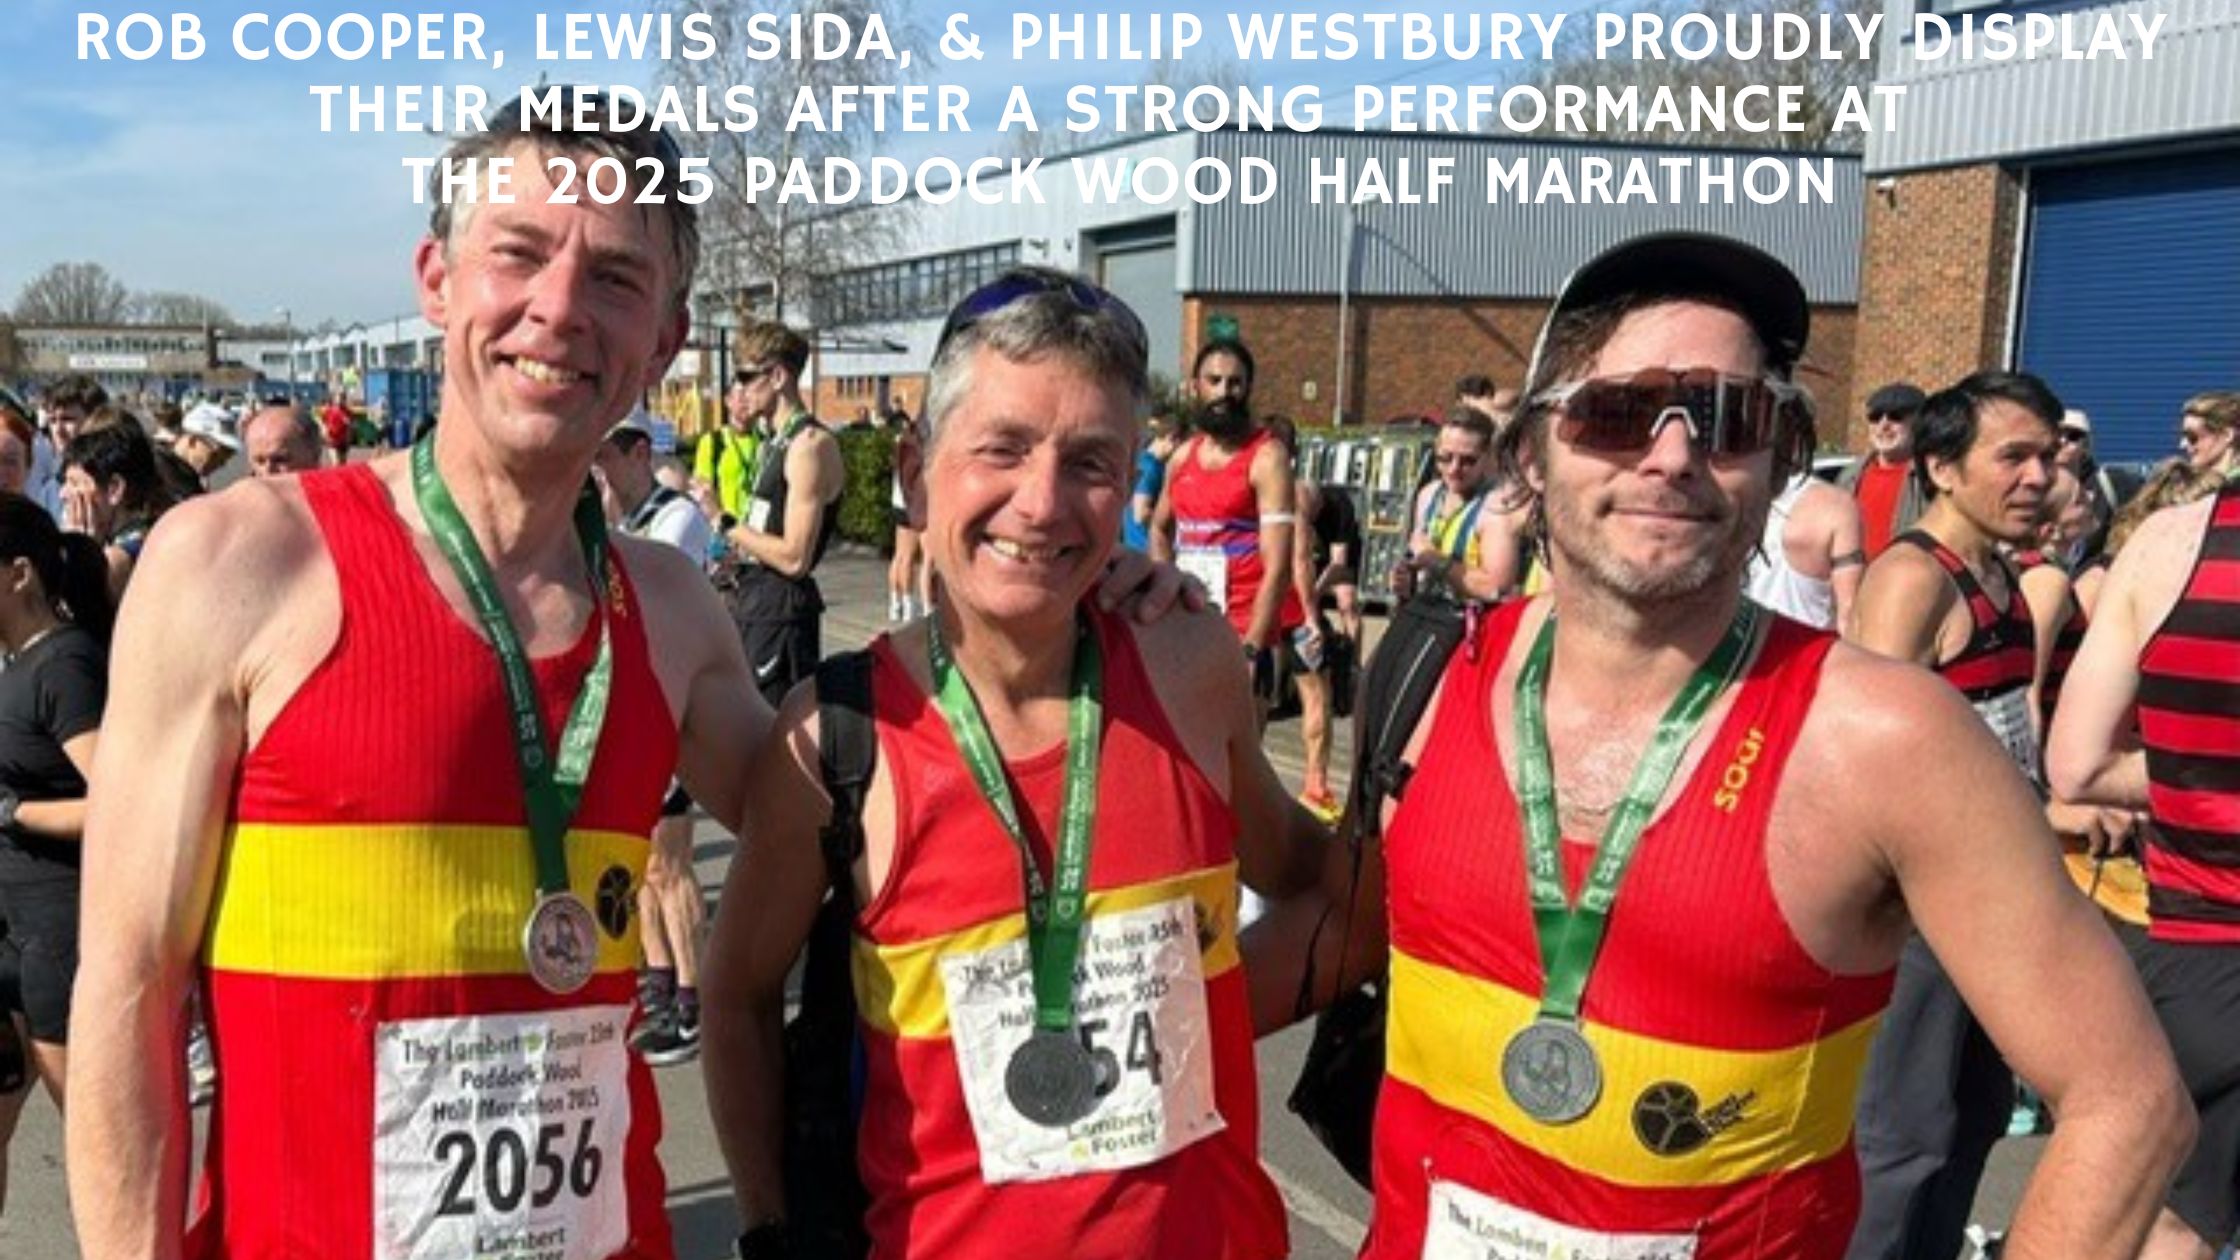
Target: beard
1224	421
1719	562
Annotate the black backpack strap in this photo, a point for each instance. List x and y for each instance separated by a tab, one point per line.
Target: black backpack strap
847	752
1402	676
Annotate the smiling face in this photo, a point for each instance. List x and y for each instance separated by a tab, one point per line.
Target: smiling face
1664	523
1023	485
556	317
2000	485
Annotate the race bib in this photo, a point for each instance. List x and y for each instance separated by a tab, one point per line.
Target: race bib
1209	565
759	512
501	1136
1140	1009
1467	1225
2008	716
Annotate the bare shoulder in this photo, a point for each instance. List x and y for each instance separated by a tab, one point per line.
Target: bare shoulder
1875	722
232	557
1190	652
1273	459
1824	503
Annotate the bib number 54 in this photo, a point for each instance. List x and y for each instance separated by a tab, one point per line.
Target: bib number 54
503	1171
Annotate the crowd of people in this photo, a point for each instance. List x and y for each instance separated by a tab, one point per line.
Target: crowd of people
1706	865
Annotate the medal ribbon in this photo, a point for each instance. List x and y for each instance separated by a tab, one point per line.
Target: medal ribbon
1054	914
551	786
1570	936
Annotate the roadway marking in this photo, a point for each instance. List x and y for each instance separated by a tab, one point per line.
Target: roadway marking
1335	1222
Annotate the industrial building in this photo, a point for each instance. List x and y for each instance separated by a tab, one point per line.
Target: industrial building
2079	219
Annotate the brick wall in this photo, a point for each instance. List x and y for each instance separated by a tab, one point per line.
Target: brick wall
836	398
1405	355
1935	278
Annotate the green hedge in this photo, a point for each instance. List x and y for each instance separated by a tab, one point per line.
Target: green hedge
866	511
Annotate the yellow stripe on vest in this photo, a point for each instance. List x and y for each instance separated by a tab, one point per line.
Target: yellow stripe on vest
899	990
1791	1107
382	902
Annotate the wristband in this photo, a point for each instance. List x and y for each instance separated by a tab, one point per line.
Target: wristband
767	1241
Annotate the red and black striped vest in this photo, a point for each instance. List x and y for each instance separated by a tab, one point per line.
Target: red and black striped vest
2066	641
2189	721
1993	669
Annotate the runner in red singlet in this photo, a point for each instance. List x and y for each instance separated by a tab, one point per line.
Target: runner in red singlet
1228	513
1681	1083
357	783
980	860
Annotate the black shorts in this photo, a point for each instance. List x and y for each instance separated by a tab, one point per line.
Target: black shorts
42	920
2196	995
780	653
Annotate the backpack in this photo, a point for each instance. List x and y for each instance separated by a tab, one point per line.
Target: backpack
825	1197
1336	1093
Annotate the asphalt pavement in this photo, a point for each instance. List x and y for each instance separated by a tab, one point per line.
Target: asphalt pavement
1329	1214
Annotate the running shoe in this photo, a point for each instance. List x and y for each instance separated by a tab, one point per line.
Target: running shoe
670	1037
1322	804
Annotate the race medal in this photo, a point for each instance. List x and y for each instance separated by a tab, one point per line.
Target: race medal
1551	1072
561	943
1052	1079
1548	1068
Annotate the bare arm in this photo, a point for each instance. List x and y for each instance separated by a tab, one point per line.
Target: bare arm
1981	879
815	477
1902	604
2045	590
770	898
2092	753
1272	487
722	719
1162	516
183	667
62	820
1844	536
1488	580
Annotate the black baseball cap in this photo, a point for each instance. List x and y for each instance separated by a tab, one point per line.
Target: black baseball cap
1899	398
1760	285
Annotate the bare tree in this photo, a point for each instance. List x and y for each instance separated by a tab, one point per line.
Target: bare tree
73	293
1822	82
763	243
179	308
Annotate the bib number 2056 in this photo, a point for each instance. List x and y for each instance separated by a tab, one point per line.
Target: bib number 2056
503	1172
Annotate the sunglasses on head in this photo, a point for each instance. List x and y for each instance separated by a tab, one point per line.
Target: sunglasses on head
1725	415
1018	285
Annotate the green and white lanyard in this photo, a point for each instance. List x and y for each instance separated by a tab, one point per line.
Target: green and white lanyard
1054	906
1571	936
552	785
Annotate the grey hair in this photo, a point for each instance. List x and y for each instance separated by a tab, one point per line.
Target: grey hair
544	120
1033	328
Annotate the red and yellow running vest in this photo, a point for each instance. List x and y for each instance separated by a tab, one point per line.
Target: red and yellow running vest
392	1083
1163	835
1731	1059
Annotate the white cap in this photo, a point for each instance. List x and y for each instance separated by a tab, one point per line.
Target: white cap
208	420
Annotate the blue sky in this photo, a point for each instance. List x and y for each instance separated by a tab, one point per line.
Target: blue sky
212	176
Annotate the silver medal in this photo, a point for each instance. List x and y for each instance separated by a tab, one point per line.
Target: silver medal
1551	1072
1052	1079
561	943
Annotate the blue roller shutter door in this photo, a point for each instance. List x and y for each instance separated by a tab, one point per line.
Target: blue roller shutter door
2131	292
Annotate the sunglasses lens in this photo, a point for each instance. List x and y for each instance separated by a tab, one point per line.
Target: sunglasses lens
1727	416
